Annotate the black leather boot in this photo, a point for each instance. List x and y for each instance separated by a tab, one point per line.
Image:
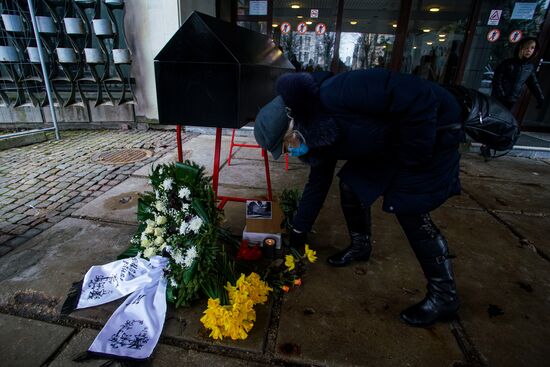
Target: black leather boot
441	301
358	220
359	250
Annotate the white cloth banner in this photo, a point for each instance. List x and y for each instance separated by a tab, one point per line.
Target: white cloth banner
134	328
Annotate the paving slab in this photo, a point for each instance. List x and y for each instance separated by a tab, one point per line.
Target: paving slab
251	174
118	204
184	324
511	169
462	201
534	229
164	355
200	150
504	289
28	342
168	356
519	197
350	316
36	277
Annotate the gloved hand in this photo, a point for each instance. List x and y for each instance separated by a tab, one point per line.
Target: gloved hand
298	240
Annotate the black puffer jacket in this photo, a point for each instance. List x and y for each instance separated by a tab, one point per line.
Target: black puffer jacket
511	75
387	127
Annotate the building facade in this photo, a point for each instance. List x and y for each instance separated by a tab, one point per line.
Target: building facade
444	41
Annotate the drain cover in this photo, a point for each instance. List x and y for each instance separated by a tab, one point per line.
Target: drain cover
123	156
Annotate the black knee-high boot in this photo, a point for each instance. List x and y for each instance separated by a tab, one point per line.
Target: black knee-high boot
430	248
358	220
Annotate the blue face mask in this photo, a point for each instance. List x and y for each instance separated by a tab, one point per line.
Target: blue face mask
299	151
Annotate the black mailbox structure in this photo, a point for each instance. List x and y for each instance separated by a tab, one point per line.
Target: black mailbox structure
212	73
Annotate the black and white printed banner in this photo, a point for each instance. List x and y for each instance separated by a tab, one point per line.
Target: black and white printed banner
134	328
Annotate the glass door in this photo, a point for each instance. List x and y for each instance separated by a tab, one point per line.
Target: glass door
368	34
305	30
500	26
254	15
435	38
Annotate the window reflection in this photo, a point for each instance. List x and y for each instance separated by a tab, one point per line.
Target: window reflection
368	34
364	50
435	39
260	27
306	34
253	15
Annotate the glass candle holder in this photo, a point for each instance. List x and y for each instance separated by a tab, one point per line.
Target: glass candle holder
269	247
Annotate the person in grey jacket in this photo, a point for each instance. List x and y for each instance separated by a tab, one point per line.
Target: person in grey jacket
513	73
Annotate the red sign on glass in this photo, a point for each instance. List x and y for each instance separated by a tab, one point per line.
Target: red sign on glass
302	28
285	28
493	35
320	28
515	36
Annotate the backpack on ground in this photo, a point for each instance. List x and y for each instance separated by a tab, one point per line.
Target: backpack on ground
486	120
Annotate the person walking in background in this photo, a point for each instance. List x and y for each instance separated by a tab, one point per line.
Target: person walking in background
451	66
513	73
387	126
425	69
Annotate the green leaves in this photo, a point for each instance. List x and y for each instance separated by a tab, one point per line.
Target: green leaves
144	202
188	171
170	293
199	208
288	201
189	273
131	251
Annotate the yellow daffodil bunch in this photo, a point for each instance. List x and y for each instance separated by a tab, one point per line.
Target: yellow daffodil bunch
309	254
295	265
236	319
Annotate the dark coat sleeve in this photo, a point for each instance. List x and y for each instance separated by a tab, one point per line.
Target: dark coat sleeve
315	192
498	77
534	86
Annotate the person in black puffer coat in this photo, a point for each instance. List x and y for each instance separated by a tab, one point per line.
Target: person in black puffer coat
391	128
512	74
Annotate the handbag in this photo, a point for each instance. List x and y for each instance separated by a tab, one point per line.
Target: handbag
486	120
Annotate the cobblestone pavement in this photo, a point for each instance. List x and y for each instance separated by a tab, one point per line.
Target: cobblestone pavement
43	183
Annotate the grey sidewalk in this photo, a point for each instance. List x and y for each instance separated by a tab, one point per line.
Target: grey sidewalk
498	230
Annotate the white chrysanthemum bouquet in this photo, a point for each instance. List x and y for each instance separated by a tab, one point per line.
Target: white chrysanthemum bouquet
180	220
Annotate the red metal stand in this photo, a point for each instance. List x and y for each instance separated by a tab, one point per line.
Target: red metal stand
216	170
233	144
178	140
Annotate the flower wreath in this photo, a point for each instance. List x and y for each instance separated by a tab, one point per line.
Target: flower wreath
179	220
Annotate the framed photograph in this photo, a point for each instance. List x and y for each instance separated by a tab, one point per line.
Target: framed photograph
257	209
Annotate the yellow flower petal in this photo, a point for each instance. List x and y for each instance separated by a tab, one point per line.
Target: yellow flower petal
289	262
310	254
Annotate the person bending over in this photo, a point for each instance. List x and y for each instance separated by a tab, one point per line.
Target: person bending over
389	128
